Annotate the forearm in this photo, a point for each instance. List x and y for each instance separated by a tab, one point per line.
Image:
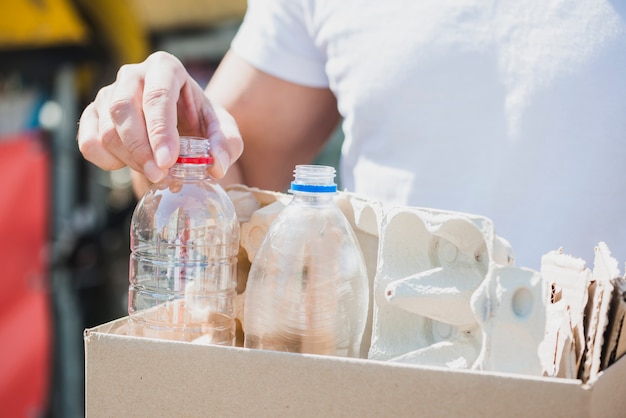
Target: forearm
282	124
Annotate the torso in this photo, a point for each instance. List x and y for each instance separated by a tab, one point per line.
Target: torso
511	110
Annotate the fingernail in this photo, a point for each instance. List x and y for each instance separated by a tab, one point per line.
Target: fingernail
223	160
162	156
152	172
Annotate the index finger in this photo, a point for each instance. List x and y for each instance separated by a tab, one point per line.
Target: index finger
162	86
127	117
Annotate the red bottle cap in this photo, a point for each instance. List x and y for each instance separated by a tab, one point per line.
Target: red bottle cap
195	160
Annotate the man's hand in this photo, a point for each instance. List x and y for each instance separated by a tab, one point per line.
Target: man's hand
137	120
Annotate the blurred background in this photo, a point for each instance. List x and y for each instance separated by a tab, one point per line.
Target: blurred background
64	223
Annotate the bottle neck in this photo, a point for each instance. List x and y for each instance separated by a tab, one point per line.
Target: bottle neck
314	198
313	185
194	160
189	171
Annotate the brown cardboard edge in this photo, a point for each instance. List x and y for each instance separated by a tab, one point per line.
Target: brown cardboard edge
609	391
131	376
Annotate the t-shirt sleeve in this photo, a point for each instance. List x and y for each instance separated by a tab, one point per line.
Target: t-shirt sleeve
275	37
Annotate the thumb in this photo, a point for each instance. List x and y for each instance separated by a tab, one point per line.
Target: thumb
226	141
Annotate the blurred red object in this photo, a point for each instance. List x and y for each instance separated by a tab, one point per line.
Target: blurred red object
25	325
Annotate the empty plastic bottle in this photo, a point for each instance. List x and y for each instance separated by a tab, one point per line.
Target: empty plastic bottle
307	290
184	241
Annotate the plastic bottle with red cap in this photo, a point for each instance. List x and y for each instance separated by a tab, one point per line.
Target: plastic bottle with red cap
184	241
307	289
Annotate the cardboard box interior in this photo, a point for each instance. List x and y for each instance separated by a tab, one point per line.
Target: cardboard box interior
133	376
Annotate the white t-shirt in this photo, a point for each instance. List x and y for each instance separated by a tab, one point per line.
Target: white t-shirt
514	110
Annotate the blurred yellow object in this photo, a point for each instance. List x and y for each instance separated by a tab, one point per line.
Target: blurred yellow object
30	23
124	25
120	27
160	15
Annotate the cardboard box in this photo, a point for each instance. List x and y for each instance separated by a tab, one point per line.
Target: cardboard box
137	377
130	376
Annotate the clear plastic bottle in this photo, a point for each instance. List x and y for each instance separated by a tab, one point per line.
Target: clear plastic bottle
184	241
307	290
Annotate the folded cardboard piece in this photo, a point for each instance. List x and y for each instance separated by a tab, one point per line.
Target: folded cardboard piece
134	376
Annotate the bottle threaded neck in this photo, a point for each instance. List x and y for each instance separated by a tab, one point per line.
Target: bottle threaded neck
313	179
194	150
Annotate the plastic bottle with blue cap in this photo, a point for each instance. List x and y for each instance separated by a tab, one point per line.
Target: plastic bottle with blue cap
307	290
